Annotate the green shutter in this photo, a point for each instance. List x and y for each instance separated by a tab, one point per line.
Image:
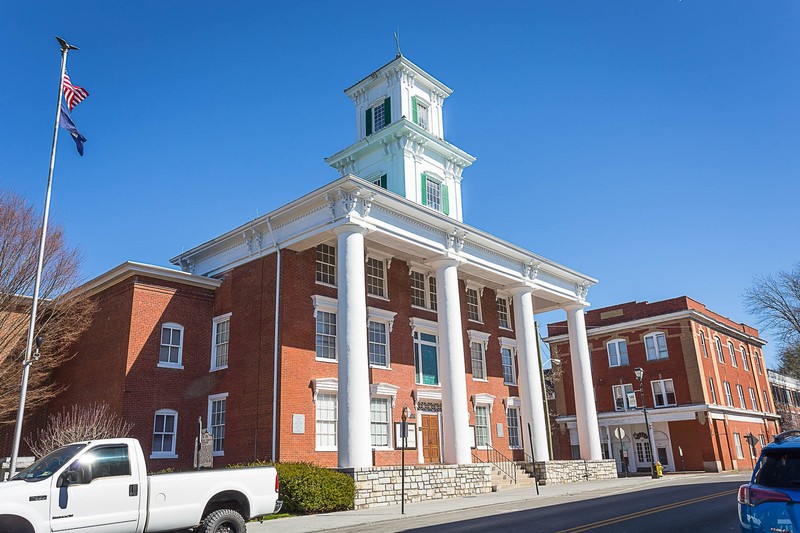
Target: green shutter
424	182
445	200
384	182
387	110
369	121
414	110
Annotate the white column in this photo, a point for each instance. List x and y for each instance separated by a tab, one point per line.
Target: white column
530	381
452	371
354	445
585	408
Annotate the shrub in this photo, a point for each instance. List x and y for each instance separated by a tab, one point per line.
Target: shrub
307	488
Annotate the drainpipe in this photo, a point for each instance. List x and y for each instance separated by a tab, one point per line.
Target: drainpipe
277	345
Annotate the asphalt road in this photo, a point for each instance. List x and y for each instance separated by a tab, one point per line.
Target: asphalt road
706	505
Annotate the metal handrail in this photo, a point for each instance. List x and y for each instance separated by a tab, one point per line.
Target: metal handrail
499	461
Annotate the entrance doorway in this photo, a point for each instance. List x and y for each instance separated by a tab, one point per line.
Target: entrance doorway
430	438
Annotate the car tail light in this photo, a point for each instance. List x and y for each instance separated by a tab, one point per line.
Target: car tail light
277	483
753	496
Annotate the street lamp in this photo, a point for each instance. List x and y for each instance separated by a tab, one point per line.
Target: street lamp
639	375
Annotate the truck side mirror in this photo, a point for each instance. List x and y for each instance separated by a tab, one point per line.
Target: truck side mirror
76	474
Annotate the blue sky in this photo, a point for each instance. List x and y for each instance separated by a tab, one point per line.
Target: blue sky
650	144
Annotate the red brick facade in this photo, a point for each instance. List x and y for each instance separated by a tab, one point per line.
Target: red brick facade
700	424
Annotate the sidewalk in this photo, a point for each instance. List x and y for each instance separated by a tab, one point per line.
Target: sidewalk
549	495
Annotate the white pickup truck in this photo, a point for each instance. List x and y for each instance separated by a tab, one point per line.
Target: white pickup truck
102	486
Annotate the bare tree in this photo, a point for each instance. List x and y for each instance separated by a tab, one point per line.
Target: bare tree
63	312
79	423
775	300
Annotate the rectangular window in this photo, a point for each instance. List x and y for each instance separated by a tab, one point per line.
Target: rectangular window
478	361
171	345
740	392
432	285
378	343
762	439
663	392
326	421
473	305
737	441
728	395
216	421
418	289
712	391
433	194
482	434
656	346
502	313
753	399
426	365
326	335
164	428
617	353
621	393
512	418
326	264
222	329
509	376
109	461
379	422
376	277
422	115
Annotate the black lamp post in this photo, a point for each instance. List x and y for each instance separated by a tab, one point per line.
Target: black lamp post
639	375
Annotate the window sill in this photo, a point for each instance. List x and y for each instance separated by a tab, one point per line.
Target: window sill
218	454
380	367
163	456
475	321
382	449
506	329
325	449
428	309
384	298
438	385
508	383
483	380
326	284
170	365
214	369
323	360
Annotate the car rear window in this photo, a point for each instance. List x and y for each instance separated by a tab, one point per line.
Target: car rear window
779	468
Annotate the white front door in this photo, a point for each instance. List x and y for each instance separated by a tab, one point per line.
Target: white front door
108	503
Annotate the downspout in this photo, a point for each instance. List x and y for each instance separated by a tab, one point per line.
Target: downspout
277	345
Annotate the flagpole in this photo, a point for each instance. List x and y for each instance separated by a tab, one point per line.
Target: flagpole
28	357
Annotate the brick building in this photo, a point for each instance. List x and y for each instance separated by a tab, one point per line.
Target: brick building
786	396
303	334
705	385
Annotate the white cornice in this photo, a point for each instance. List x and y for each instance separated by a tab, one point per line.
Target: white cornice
131	268
680	412
653	320
399	63
783	380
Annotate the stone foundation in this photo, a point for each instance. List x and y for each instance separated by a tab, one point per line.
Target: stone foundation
377	486
560	472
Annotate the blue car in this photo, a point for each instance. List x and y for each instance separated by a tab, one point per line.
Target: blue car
771	501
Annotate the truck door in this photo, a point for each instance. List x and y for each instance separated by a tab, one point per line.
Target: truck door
107	500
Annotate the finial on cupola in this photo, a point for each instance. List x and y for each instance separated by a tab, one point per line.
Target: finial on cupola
397	41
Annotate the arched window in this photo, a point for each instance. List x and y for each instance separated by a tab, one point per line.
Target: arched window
757	359
732	352
703	344
718	349
165	431
745	363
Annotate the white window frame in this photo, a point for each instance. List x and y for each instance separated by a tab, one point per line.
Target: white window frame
169	364
506	302
324	304
215	324
765	405
326	393
511	346
483	400
317	271
732	352
745	362
513	404
480	339
426	123
478	291
384	261
428	296
380	316
718	349
372	109
740	393
753	398
737	441
728	394
712	390
616	342
384	392
433	184
428	327
624	389
171	454
211	399
703	344
664	394
757	358
655	336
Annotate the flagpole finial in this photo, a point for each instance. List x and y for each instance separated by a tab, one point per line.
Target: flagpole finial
65	45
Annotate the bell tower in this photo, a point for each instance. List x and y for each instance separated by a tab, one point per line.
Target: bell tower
400	142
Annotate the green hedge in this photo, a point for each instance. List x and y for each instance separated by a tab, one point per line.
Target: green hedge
308	489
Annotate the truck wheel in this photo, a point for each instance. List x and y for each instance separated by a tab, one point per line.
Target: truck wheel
223	521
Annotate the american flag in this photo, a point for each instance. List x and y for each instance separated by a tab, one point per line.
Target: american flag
73	94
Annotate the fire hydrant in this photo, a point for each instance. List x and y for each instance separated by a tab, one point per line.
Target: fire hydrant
659	469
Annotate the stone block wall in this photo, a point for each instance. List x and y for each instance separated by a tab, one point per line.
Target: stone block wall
560	472
377	486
